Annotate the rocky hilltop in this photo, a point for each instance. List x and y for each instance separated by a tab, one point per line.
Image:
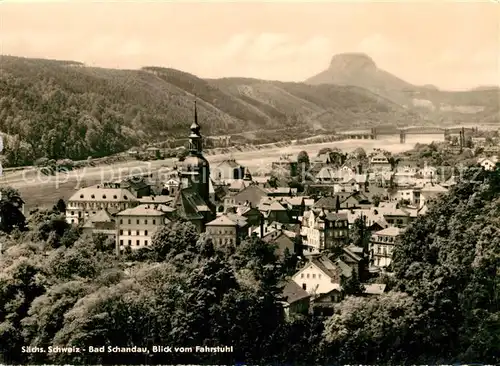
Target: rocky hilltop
360	70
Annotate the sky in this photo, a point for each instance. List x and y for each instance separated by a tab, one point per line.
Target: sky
451	45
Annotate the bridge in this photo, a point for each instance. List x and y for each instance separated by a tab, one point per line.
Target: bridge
375	132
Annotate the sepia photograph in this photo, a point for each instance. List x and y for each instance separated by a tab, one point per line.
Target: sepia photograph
249	182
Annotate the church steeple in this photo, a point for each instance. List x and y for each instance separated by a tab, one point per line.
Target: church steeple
195	139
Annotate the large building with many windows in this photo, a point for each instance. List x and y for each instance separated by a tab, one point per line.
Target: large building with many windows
88	201
136	227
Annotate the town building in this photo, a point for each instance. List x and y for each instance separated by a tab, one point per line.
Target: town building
295	299
192	201
227	230
488	163
321	230
382	246
320	275
379	162
136	227
101	223
88	201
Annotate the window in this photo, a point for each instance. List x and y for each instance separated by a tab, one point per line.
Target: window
301	275
145	232
137	242
304	287
72	213
103	196
137	233
121	232
93	196
307	275
145	222
121	242
129	221
154	222
115	197
125	197
138	222
121	221
314	275
145	242
130	242
130	232
319	276
72	221
81	196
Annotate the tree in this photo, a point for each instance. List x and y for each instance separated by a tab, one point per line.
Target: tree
182	154
368	330
360	154
178	240
11	217
359	233
303	165
61	206
376	200
352	286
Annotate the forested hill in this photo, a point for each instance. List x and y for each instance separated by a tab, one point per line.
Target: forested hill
63	109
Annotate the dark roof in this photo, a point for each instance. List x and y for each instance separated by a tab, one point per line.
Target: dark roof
336	216
293	292
253	194
325	265
186	203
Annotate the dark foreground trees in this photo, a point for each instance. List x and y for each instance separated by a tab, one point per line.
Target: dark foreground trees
444	307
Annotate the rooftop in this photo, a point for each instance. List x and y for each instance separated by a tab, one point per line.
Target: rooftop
141	210
103	194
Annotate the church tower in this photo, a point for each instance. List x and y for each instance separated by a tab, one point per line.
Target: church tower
195	170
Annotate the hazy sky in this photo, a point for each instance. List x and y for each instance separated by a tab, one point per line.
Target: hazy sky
450	45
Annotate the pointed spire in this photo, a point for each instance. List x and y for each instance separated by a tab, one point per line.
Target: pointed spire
195	144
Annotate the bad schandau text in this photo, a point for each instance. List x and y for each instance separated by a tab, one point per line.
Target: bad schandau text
134	349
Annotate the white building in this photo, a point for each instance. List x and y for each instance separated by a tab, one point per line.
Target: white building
382	246
136	226
320	275
88	201
488	163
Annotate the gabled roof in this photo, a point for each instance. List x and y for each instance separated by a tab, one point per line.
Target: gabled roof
187	203
229	162
101	216
241	221
141	210
375	289
345	268
156	199
336	216
103	195
237	185
253	194
294	201
222	220
276	206
293	292
325	265
390	231
352	252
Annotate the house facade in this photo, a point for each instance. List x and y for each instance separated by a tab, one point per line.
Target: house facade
88	201
227	231
321	230
136	227
382	246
